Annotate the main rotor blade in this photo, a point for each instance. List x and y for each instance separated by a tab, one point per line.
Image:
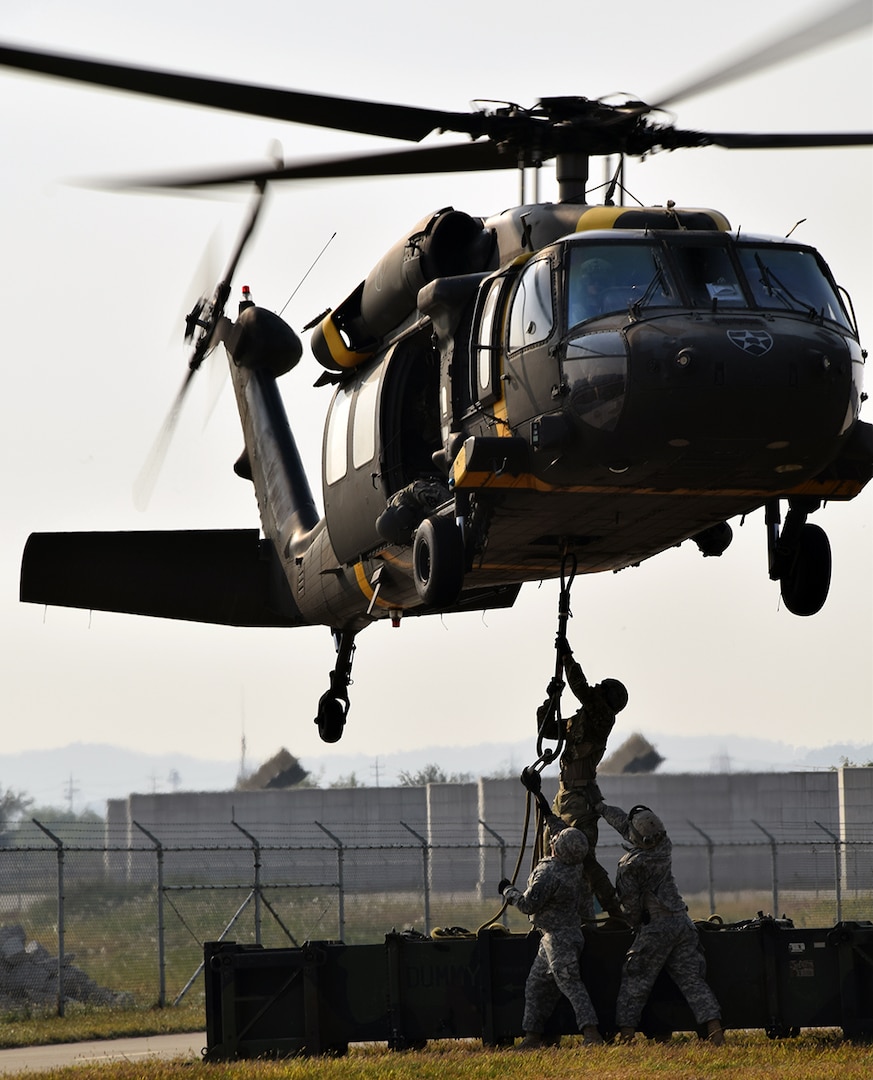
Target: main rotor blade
854	16
459	157
318	110
753	140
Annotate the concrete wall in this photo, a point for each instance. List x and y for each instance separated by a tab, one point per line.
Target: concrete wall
856	823
723	828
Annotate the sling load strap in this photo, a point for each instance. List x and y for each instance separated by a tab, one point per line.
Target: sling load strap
550	721
521	848
552	718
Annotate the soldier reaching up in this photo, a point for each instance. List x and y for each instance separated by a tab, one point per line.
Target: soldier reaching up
586	735
665	935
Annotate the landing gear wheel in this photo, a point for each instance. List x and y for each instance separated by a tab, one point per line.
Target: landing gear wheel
807	576
331	718
438	561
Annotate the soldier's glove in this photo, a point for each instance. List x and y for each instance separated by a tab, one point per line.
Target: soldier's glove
598	807
504	882
554	687
531	779
563	646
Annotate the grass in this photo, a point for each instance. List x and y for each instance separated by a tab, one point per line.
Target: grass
83	1023
812	1056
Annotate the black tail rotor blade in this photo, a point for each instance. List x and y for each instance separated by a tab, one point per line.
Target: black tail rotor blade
145	483
211	322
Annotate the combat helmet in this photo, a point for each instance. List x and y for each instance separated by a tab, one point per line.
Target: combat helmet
615	693
645	828
570	846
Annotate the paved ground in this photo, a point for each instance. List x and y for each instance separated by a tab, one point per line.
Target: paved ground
37	1058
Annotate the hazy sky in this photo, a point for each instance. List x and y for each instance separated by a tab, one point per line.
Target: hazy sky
94	285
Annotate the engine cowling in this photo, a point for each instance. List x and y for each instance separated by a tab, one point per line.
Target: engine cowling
444	244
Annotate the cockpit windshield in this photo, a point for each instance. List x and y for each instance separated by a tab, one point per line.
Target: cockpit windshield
789	279
709	273
606	278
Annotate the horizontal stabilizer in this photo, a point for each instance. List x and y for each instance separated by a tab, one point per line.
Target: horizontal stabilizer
226	576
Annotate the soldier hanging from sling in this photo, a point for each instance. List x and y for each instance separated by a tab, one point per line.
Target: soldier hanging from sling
583	738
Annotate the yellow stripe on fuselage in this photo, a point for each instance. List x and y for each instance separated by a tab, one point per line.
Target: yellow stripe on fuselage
480	481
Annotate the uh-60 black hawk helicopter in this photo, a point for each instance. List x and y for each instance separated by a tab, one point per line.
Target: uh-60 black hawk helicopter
560	380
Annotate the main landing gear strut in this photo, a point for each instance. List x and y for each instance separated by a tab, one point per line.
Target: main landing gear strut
333	705
800	556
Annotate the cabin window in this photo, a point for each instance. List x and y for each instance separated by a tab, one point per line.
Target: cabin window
364	426
608	278
531	317
337	436
790	279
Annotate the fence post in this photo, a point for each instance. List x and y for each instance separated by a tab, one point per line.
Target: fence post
59	844
425	859
838	871
773	869
162	968
340	864
502	844
256	887
709	867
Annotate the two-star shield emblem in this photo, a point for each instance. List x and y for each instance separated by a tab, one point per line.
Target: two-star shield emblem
753	342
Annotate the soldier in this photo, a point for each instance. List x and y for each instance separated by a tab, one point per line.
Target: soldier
556	900
587	733
665	935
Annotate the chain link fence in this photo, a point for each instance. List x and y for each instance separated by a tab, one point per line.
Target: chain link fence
99	915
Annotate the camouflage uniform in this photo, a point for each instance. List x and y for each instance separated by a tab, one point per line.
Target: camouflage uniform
587	734
665	935
557	898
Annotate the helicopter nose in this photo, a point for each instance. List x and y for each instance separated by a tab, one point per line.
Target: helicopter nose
774	382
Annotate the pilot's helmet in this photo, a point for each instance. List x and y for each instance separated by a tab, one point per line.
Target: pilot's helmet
645	827
615	693
595	272
570	846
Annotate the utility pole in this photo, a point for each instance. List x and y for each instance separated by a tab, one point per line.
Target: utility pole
71	791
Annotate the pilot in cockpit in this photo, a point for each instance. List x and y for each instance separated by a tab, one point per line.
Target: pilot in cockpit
589	283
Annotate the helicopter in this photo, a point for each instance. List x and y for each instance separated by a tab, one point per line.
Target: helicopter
557	378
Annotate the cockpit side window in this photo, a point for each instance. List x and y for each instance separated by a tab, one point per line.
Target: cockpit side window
532	315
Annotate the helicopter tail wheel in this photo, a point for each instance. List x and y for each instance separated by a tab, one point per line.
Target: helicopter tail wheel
331	718
438	561
807	576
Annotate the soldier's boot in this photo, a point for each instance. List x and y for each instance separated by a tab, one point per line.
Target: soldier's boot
626	1034
715	1032
532	1040
591	1035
